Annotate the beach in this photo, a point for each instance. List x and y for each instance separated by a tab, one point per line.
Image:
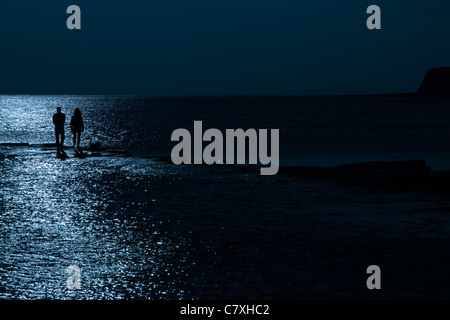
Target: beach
140	227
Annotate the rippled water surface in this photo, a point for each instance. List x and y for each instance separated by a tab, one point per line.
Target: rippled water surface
313	130
140	228
76	212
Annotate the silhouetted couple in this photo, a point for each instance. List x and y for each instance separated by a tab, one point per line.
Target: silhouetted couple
76	126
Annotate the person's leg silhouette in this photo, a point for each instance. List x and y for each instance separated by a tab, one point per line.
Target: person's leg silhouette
57	142
62	141
79	138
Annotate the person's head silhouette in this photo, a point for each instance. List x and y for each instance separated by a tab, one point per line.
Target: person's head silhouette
58	109
77	112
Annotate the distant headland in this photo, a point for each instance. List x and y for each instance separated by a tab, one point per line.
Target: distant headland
436	82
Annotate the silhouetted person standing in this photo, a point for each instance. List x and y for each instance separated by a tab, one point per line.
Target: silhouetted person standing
59	119
77	127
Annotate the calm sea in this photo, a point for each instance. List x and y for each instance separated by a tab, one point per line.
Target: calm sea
139	228
313	130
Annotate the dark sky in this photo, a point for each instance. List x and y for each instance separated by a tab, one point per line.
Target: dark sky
195	47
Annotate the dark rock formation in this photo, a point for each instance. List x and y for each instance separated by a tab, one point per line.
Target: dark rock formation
436	82
395	175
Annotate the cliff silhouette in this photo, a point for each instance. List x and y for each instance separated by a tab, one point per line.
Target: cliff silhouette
436	82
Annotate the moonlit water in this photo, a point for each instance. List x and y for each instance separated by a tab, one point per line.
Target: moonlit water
140	228
313	131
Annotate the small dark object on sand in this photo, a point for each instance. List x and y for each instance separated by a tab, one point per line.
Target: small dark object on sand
80	154
95	147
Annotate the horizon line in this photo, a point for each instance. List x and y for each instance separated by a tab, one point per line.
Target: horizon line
214	95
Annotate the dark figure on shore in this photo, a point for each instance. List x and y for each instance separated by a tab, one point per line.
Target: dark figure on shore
59	119
77	127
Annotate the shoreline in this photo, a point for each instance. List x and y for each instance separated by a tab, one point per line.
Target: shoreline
215	231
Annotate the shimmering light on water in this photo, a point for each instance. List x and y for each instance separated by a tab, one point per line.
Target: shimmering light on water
75	212
141	228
